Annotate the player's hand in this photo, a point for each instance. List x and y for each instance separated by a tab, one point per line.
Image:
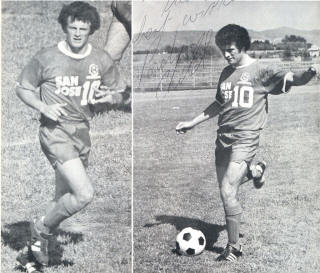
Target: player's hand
106	95
289	76
102	91
183	127
54	111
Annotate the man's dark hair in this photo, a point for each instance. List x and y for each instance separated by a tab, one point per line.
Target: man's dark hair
81	11
233	34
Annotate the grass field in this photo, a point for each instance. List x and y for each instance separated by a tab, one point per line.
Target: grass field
175	187
98	239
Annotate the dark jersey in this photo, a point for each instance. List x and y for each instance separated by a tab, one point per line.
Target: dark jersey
243	92
65	77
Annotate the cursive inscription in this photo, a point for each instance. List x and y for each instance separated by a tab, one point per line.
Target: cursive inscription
165	64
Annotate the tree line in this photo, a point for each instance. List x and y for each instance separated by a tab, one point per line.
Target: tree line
290	45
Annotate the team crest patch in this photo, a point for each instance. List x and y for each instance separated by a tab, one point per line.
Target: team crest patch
245	77
94	70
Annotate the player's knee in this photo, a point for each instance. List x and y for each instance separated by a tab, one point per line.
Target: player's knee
227	192
85	197
229	196
84	200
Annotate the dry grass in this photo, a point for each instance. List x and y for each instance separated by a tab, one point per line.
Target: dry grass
98	239
175	187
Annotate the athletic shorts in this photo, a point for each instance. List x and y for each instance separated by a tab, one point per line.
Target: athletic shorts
236	146
61	142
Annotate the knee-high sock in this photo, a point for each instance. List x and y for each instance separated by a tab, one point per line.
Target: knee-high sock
233	218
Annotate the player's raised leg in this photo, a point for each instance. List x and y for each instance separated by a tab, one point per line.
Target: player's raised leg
81	194
229	178
256	174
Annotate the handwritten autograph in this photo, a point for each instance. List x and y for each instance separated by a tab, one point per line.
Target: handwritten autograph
192	18
168	64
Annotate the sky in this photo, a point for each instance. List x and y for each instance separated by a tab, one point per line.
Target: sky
171	15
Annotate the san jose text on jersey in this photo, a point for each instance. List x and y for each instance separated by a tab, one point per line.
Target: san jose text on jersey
243	92
64	77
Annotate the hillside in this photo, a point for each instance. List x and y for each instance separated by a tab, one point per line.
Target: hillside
312	36
143	41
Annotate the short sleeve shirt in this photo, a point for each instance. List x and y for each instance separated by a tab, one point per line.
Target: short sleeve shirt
243	93
69	79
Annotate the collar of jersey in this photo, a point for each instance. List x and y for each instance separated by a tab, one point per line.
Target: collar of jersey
62	46
245	65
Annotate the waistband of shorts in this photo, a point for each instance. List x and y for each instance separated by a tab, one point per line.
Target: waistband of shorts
44	121
232	130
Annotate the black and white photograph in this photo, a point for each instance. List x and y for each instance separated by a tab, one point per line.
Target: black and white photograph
66	136
226	136
169	136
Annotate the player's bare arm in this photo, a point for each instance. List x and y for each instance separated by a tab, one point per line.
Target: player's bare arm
30	98
117	40
211	111
119	33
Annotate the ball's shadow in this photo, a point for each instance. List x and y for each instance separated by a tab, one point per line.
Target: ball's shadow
210	231
17	236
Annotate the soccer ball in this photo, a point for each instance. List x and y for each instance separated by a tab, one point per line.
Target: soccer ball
190	242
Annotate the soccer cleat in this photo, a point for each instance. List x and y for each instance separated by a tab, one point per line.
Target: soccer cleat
27	261
39	245
258	178
230	254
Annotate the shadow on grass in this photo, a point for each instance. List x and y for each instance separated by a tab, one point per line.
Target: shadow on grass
210	231
17	236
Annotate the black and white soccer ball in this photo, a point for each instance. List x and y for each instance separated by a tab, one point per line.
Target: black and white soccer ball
190	242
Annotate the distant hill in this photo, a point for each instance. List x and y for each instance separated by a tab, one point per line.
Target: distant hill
143	41
312	36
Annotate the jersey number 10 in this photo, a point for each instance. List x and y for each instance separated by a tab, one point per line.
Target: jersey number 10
242	96
88	91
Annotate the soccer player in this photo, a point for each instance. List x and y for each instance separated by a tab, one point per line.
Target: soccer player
69	76
241	104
